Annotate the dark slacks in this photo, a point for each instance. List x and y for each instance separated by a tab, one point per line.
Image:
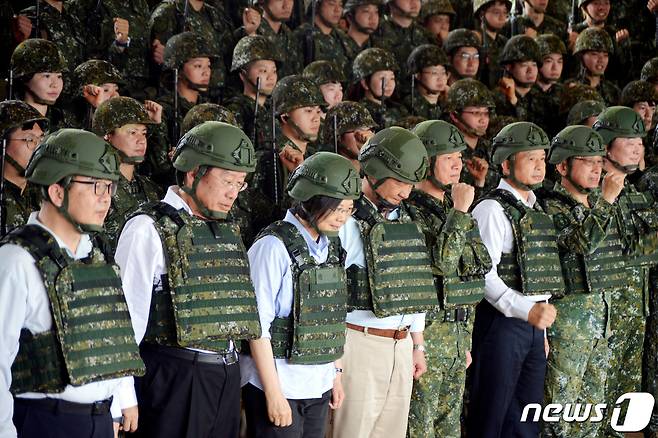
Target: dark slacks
509	365
309	416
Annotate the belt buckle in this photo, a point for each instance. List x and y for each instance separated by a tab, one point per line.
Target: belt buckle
230	358
97	406
400	329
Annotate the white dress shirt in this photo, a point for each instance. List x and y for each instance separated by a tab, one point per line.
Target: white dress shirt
271	273
350	237
141	256
497	236
24	303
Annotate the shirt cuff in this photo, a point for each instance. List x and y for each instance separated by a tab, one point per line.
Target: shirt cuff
522	308
126	393
418	324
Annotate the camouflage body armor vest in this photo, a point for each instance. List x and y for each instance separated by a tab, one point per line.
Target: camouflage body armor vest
533	267
398	278
314	333
206	297
465	286
92	338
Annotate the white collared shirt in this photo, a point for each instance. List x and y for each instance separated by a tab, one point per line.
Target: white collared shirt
271	273
24	304
497	236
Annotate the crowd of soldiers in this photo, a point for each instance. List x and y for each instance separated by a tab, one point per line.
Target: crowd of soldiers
358	218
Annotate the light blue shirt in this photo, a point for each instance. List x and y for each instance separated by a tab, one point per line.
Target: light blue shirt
271	273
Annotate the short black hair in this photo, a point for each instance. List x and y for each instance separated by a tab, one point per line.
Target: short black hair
315	208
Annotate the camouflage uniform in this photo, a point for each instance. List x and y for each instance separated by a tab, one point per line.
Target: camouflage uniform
583	110
490	71
349	117
432	8
328	47
559	9
422	57
549	25
286	48
597	40
589	246
643	91
461	38
352	48
323	73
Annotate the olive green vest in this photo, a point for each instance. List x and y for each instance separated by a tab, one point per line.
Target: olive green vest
533	267
206	298
314	333
638	219
398	278
92	338
465	286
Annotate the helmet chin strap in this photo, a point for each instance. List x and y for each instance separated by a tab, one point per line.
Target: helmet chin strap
39	100
362	29
435	181
428	89
521	185
382	203
130	160
191	192
301	134
194	86
466	128
10	160
405	14
64	211
575	185
628	169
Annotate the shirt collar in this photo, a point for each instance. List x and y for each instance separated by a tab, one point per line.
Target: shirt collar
507	186
84	247
173	198
315	247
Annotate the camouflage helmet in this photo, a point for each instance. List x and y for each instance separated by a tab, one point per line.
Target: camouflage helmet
549	43
205	112
461	38
96	72
117	112
638	91
574	92
16	113
619	122
70	152
583	3
583	110
650	71
440	137
426	55
252	48
436	7
324	174
394	153
372	60
518	137
593	39
468	92
479	4
349	117
36	56
520	48
295	91
323	72
351	5
576	141
184	46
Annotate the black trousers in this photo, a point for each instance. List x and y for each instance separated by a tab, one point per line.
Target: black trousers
309	416
36	422
179	398
509	365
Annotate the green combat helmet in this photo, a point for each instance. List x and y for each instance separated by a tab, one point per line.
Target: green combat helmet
549	43
117	112
650	71
576	141
16	114
296	91
350	116
96	72
250	49
350	5
372	60
479	4
619	122
36	56
205	112
583	110
518	137
593	39
638	91
520	48
461	38
67	153
323	72
575	92
436	7
468	92
212	144
439	138
184	46
426	55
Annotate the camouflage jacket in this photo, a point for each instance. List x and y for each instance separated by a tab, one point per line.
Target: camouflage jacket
483	149
18	204
559	9
505	108
247	213
352	48
549	25
543	108
421	107
243	108
490	69
325	47
384	115
287	48
400	41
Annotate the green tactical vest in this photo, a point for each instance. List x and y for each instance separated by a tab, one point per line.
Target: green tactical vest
465	286
92	338
314	333
206	298
398	278
638	218
533	268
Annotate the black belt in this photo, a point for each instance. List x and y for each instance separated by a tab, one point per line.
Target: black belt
229	358
460	314
66	407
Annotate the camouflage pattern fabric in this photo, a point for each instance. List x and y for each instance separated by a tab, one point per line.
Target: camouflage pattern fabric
490	68
325	47
246	213
243	108
483	149
549	25
543	106
385	115
286	46
352	49
609	92
18	204
421	107
401	41
205	112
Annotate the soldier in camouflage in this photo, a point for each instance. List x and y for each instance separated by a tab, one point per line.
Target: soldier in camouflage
186	276
94	82
463	49
585	112
650	72
575	92
304	257
363	19
535	21
62	369
592	261
374	75
429	67
354	126
437	17
329	78
440	205
205	112
642	97
469	107
491	16
22	128
122	122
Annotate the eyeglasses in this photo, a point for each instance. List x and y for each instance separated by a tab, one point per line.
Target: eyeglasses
498	13
469	56
436	73
31	141
100	188
343	211
237	186
591	163
477	114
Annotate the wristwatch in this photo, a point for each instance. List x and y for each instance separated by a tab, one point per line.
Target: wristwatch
419	347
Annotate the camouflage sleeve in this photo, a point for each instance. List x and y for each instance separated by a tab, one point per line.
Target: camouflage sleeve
163	22
450	241
581	230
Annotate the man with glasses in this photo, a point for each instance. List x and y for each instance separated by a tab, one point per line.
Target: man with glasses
186	277
463	49
68	350
21	128
491	17
429	66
